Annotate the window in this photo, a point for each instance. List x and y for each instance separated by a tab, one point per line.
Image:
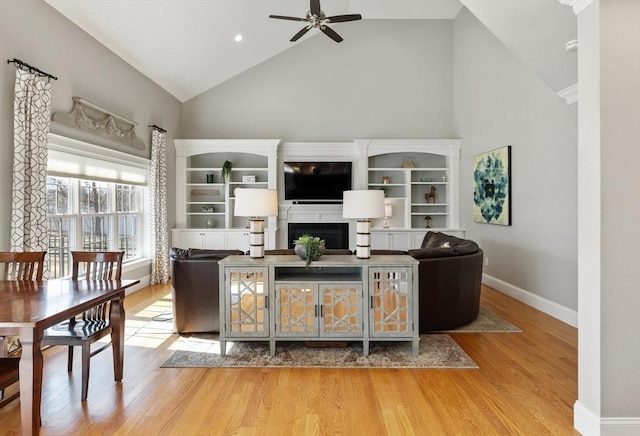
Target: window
95	198
91	215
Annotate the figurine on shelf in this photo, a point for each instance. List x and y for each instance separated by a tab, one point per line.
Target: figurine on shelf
444	178
210	223
427	222
386	180
430	195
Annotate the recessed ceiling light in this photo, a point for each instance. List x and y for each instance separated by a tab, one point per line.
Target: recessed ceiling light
238	37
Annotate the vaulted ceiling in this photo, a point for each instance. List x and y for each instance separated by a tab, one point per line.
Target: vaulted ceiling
189	46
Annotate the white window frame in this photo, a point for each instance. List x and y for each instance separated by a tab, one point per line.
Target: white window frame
76	216
81	160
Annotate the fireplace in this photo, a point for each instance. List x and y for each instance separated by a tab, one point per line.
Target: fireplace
336	235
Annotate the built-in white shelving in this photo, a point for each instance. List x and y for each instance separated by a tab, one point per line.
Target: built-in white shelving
205	202
405	169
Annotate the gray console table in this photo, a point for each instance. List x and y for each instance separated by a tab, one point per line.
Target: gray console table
338	298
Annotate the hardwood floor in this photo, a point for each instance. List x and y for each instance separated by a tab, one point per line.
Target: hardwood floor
526	385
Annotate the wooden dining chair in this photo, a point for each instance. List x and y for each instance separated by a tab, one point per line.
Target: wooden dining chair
93	324
19	266
27	265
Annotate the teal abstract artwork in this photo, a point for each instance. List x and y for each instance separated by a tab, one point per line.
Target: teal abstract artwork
492	187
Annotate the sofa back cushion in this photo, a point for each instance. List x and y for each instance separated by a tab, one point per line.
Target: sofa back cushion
436	244
198	253
385	252
279	251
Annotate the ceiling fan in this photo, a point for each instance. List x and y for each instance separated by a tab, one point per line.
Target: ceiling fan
317	19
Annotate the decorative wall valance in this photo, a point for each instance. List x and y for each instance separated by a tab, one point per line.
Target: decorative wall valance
90	118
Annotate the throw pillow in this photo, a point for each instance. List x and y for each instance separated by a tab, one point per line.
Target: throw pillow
438	238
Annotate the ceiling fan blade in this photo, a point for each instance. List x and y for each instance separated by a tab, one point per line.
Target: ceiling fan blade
331	33
315	7
343	18
282	17
298	35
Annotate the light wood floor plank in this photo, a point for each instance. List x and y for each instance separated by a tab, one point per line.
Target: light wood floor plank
526	384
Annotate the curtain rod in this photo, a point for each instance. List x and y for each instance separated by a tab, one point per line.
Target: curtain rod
25	66
159	129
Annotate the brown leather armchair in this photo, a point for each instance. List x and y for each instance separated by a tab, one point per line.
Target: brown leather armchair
195	289
450	280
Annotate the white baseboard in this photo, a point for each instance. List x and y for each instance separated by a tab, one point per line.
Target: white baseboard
549	307
144	282
620	426
131	270
589	424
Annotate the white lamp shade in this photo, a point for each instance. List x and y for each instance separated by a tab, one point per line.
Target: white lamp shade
363	204
256	202
388	210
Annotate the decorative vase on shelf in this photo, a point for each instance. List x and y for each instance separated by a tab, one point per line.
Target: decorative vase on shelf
210	223
408	162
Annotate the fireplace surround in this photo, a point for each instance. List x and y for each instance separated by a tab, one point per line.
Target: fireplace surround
336	235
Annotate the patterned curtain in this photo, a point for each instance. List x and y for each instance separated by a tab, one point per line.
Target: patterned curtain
158	214
32	109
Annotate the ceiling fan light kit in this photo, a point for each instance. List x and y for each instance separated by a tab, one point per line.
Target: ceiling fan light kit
316	19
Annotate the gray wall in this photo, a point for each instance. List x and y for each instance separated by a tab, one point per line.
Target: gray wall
498	102
35	33
385	80
443	79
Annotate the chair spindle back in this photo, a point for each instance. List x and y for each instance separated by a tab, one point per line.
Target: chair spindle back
97	265
27	265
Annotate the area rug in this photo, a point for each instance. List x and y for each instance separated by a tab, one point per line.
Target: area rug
487	322
203	350
436	351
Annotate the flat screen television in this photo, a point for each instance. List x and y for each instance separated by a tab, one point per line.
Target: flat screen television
317	182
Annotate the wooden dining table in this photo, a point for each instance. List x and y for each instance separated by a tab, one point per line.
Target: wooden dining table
28	308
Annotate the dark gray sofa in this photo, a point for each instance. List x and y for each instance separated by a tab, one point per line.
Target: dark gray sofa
450	279
195	288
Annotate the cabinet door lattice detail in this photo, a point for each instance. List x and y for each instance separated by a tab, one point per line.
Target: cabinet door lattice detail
341	310
247	302
390	303
298	310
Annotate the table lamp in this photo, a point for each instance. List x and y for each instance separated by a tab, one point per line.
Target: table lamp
388	213
256	204
363	205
